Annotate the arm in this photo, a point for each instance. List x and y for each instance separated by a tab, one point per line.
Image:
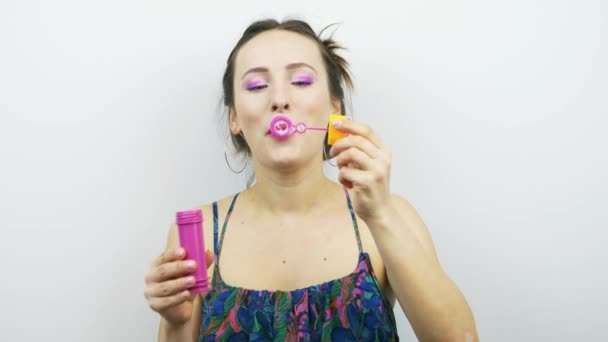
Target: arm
187	332
433	304
169	333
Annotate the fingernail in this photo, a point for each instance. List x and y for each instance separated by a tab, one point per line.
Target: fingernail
189	281
337	123
190	264
179	252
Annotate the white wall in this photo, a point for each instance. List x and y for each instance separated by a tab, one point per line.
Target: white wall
496	112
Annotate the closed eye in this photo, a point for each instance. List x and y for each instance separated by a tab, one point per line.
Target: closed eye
257	87
301	83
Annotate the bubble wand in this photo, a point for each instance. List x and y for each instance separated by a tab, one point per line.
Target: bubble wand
281	128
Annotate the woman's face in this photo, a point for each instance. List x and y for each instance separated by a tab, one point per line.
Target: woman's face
281	72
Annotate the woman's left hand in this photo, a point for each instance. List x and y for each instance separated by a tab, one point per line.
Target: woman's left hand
364	162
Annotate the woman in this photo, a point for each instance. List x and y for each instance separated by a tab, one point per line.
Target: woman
284	253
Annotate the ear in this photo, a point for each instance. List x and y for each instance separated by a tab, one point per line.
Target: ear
233	124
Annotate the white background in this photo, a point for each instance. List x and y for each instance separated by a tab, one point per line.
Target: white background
495	111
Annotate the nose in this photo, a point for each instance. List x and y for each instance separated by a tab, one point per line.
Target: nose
280	106
279	101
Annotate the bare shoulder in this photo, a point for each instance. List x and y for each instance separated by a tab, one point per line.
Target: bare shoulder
414	221
208	218
408	213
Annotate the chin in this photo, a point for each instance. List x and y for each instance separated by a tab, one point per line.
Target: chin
285	159
287	155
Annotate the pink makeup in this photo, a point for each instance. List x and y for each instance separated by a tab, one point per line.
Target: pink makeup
303	79
254	84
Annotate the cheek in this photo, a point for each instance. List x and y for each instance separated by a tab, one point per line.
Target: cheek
249	108
248	102
317	108
313	98
250	115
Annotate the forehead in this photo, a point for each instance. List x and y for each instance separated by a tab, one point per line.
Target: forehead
277	48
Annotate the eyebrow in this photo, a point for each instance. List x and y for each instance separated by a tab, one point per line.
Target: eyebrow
288	67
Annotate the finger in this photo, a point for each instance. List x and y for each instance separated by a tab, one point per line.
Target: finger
353	177
169	287
357	128
169	255
346	183
210	258
171	270
354	157
355	141
163	303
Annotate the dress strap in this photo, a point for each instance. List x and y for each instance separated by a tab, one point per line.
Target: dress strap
354	218
221	240
215	224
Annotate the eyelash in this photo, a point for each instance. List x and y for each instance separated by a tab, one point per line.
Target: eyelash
260	87
302	83
296	83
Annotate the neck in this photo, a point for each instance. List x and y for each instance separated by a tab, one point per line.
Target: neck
294	192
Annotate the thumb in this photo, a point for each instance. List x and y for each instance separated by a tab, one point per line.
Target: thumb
210	257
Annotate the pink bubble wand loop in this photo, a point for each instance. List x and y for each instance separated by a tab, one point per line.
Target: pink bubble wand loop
281	127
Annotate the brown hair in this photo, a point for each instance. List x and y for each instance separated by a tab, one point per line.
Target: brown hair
337	67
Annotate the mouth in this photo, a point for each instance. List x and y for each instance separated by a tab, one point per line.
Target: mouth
280	127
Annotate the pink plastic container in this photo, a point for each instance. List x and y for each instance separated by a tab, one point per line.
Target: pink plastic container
190	231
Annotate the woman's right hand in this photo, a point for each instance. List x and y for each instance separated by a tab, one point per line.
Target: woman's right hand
167	284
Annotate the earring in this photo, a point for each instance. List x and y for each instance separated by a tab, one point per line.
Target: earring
228	163
327	157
